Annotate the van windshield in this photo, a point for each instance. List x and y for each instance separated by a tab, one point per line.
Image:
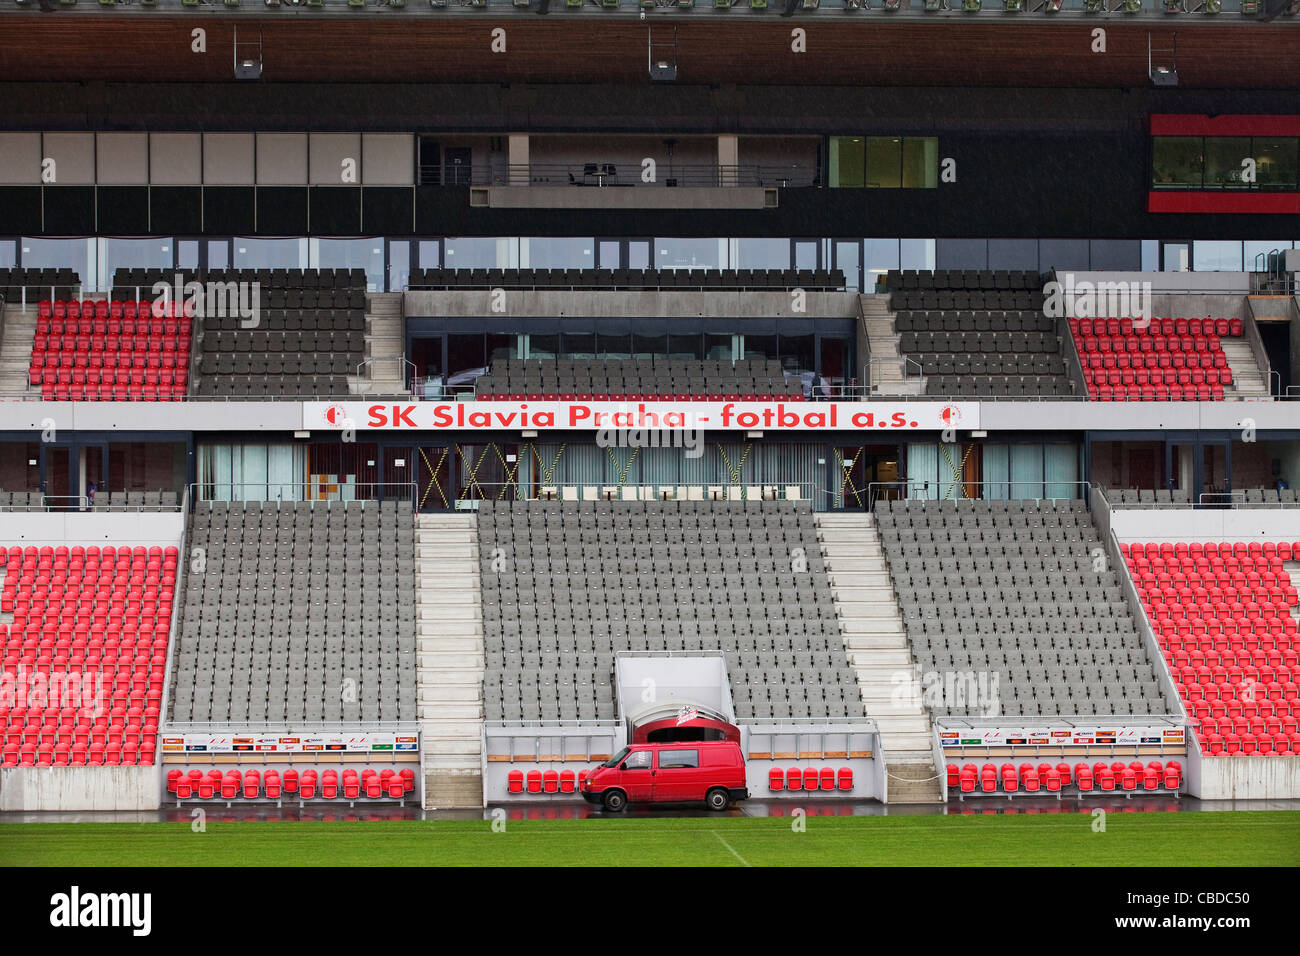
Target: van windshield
617	759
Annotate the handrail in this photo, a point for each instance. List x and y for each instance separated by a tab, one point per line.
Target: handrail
1257	349
178	592
890	490
307	488
624	171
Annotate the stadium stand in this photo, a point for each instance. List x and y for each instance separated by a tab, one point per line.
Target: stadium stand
307	336
1166	360
637	380
584	580
1223	614
293	601
633	279
110	351
100	617
111	501
1009	587
977	333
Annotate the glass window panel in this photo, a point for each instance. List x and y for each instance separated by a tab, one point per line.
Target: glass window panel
916	254
879	256
835	368
686	254
963	254
8	254
720	348
1257	252
270	253
1177	161
797	353
543	346
1116	255
476	253
686	346
75	254
846	260
430	254
1150	255
1216	256
847	161
580	344
805	254
638	254
923	471
762	254
884	162
502	346
609	254
615	346
760	347
649	346
561	253
1276	161
133	254
365	254
187	254
399	265
1063	254
1015	254
920	162
466	358
218	253
1223	156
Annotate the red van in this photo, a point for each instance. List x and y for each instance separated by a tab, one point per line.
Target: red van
712	771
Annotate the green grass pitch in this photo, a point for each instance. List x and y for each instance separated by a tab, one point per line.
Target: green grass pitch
1256	838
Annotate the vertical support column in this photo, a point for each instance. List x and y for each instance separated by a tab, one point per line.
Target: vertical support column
728	159
517	158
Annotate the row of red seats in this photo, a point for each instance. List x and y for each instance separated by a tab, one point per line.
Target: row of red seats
103	308
631	397
99	619
1220	326
128	754
1103	353
1157	377
309	785
1044	777
810	778
1162	393
549	781
97	362
1236	598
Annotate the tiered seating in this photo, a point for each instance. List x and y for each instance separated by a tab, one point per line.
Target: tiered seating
1009	587
106	501
1222	614
39	283
310	334
635	380
100	616
310	784
102	351
1010	778
707	279
292	601
977	333
583	580
1167	360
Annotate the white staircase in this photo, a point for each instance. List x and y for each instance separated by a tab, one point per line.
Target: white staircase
19	331
878	651
1247	379
886	370
449	656
386	347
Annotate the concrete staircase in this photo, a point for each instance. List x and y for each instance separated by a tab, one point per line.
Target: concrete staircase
878	651
17	332
385	347
1293	568
1247	378
886	370
449	656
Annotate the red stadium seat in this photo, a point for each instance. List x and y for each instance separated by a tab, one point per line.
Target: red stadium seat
776	779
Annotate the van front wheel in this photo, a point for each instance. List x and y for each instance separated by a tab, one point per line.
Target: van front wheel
615	801
717	799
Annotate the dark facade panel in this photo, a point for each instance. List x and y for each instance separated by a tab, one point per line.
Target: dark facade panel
21	207
282	211
123	210
227	210
176	210
69	210
335	210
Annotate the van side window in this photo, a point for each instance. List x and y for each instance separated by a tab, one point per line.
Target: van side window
678	758
639	760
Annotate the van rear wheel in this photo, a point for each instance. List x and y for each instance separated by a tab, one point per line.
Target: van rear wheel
615	800
717	799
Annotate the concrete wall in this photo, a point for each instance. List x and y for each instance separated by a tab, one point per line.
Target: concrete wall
649	304
116	528
1249	778
1211	283
80	788
1188	524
